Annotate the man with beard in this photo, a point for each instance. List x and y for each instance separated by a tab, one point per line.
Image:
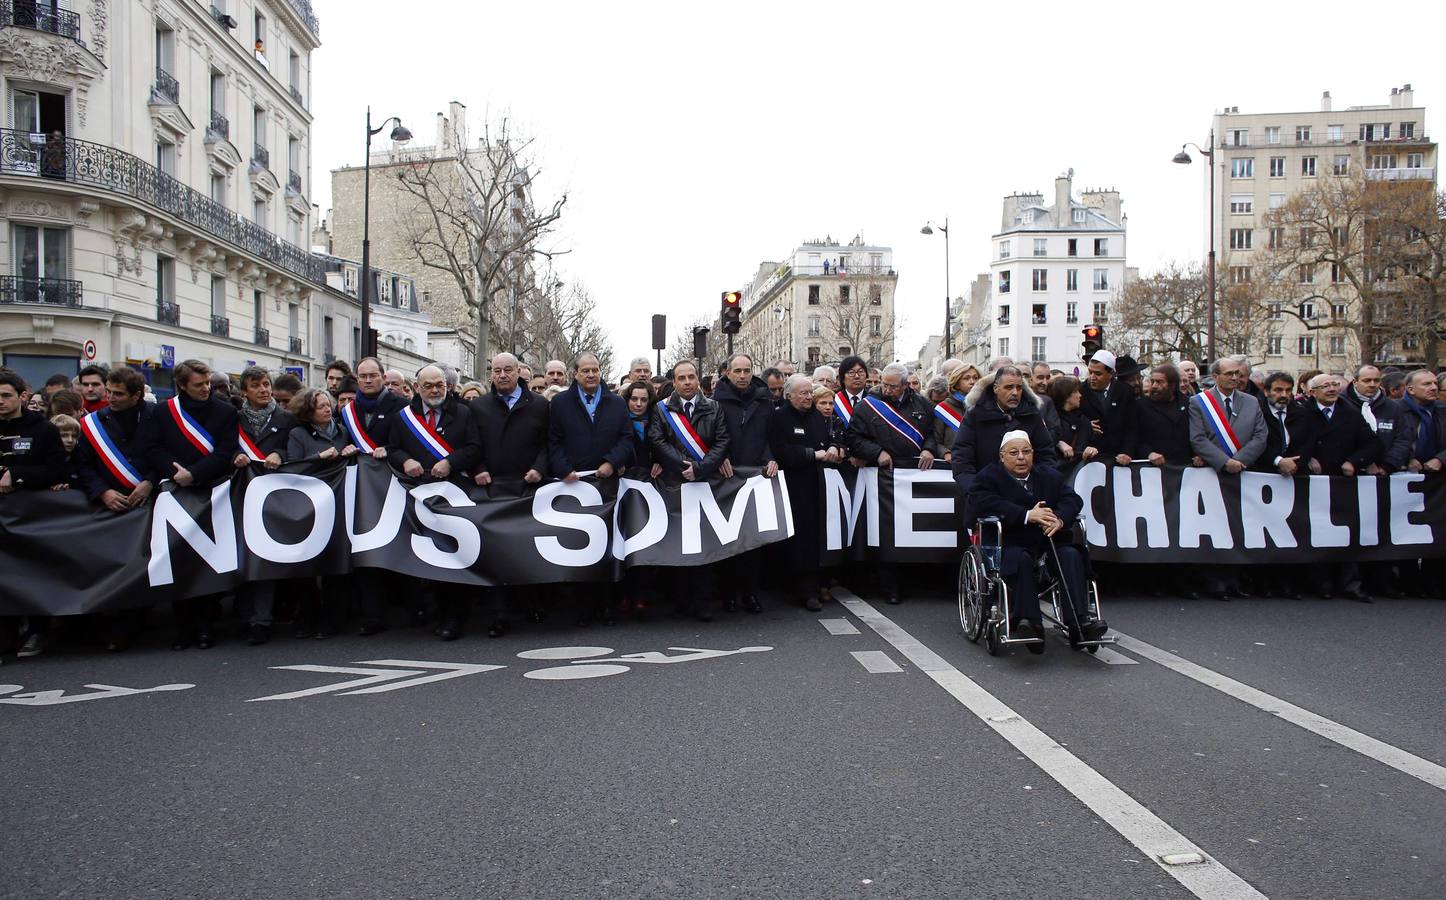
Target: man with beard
747	405
1162	433
1278	579
92	388
336	371
432	439
265	431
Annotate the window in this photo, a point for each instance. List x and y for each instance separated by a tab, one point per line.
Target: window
1026	217
259	36
1338	345
1041	279
328	344
218	189
1307	238
813	295
1240	238
1335	133
166	157
1305	345
293	157
1242	167
1277	201
1004	282
41	253
1307	166
1039	314
1071	313
293	70
1338	311
845	350
1275	311
815	357
1342	235
1102	314
258	125
843	293
1307	310
258	311
1338	274
1381	161
1276	238
813	323
1003	249
258	212
1041	246
1376	131
1102	279
1277	167
218	93
1071	279
1147	348
1037	349
876	295
1004	346
876	326
1073	246
1242	203
1239	274
1102	246
1004	314
165	280
876	261
1237	137
1408	129
1079	215
1415	160
1305	273
1273	345
218	296
1302	134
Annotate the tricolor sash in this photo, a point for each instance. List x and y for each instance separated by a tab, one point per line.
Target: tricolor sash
190	429
352	420
109	454
950	417
686	435
249	447
891	417
1217	420
426	434
843	408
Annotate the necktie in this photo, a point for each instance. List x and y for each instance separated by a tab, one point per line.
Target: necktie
432	419
1229	408
1284	432
688	410
1327	410
588	398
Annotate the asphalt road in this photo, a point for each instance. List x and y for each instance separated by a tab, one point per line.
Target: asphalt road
795	770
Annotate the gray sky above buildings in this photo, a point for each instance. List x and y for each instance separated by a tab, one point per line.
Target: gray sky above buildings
697	140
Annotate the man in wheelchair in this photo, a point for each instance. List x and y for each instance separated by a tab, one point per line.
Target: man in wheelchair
1033	507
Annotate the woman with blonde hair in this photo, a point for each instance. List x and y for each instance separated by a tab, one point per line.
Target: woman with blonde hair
949	414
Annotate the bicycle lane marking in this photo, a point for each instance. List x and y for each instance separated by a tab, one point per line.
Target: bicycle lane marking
1196	870
1348	737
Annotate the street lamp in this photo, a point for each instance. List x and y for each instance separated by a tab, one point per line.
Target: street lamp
948	302
399	135
1184	159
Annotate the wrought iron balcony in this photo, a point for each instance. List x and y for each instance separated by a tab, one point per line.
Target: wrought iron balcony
167	86
293	346
263	337
99	166
220	127
32	14
303	9
220	326
293	181
57	291
220	17
262	156
168	312
296	95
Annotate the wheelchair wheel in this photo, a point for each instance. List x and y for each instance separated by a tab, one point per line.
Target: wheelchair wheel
972	589
991	638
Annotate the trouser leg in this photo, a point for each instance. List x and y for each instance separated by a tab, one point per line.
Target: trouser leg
1072	573
1017	566
257	598
372	592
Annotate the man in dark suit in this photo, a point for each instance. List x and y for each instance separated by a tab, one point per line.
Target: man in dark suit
1033	506
747	403
1162	433
1279	392
1381	413
265	430
1109	404
1423	430
193	440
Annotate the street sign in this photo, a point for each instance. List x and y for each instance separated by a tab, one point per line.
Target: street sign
168	356
88	350
298	371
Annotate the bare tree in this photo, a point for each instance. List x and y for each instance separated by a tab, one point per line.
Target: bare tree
854	317
479	222
552	320
1164	315
682	346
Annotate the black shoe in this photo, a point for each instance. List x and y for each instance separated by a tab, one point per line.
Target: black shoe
327	631
181	642
1095	630
811	603
731	604
1024	630
1357	595
496	629
258	635
205	640
370	628
753	604
303	632
450	630
893	598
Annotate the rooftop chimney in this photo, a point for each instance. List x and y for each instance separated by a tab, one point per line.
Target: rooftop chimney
1407	97
1325	101
1061	199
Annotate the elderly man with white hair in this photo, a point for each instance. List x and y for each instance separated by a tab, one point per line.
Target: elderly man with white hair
826	376
1035	508
893	425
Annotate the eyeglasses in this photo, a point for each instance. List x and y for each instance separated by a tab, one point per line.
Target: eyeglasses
1019	454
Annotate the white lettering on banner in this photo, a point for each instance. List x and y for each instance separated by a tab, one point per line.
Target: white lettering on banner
907	506
1202	510
697	500
1405	501
1324	532
253	524
1368	531
220	554
837	499
388	524
1147	506
99	692
1089	478
1261	517
654	529
463	531
590	524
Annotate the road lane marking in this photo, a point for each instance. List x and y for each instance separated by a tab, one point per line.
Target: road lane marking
377	681
875	662
1380	751
1147	831
838	626
1113	658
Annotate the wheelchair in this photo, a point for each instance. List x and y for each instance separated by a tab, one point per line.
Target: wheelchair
984	596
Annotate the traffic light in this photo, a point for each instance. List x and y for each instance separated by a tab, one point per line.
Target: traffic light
1094	339
732	311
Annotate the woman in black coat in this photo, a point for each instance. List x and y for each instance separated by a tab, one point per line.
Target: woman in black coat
799	437
639	582
318	435
1067	423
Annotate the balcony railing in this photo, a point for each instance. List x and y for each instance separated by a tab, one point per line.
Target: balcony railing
32	14
168	312
303	9
219	16
167	86
293	181
856	270
1423	173
220	326
260	154
220	127
96	165
293	346
57	291
263	337
296	94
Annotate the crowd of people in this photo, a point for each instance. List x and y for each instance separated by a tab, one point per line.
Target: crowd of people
105	434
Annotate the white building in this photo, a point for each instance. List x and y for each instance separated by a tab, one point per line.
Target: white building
153	185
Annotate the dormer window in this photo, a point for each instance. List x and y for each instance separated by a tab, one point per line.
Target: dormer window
1079	215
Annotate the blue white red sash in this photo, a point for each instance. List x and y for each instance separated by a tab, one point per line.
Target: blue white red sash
109	454
249	447
891	417
426	434
843	408
1217	420
950	417
190	429
352	420
686	435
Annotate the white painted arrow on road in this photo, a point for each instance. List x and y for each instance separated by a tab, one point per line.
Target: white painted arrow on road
377	681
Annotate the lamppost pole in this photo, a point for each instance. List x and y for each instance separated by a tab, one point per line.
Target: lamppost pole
401	135
1183	158
948	293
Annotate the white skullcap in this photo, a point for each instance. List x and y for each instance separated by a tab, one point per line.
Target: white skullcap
1015	435
1104	358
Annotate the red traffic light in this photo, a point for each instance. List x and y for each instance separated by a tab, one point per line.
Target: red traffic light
732	298
1092	332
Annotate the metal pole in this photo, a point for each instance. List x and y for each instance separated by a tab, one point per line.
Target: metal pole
948	299
366	266
1210	278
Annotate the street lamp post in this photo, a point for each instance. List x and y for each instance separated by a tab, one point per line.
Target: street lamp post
948	297
1184	159
400	135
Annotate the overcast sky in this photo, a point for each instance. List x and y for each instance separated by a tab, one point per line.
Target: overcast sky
696	140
